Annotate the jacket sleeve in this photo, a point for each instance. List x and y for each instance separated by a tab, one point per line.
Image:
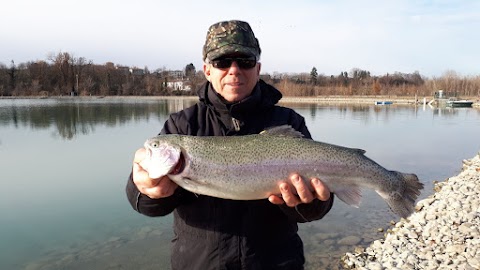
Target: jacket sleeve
157	207
308	212
154	207
316	209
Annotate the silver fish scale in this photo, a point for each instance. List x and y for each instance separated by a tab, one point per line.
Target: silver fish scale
251	159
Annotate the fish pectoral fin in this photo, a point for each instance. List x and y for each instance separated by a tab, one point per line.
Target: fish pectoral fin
351	196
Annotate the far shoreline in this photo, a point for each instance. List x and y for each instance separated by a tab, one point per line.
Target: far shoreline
400	100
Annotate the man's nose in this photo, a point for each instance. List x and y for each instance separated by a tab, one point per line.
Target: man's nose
234	67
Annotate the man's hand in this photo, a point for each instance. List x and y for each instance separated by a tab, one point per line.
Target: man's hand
154	188
294	191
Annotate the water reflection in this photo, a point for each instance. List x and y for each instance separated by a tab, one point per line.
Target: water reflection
73	117
49	228
448	111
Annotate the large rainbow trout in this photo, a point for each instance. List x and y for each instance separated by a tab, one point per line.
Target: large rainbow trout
250	167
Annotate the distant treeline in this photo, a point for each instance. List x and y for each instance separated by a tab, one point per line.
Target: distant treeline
64	74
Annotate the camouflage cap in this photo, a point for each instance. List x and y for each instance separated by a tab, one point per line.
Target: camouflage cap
229	37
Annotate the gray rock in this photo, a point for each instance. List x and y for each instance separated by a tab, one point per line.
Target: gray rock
350	240
443	234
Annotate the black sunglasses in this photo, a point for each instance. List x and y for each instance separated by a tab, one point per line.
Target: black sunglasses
242	62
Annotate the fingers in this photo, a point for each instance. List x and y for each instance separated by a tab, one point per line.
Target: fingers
322	192
296	193
154	188
139	155
164	188
300	191
141	178
275	199
288	197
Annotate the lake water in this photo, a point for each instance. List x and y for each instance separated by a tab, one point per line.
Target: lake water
64	165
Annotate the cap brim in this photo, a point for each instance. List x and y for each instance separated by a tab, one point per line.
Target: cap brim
229	50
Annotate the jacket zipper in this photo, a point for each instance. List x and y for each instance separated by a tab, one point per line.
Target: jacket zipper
236	124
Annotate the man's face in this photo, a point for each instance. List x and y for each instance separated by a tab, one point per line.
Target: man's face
234	82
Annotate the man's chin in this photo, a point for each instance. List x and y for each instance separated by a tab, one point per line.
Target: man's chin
234	97
233	94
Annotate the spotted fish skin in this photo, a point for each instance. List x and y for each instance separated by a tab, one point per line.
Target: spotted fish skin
250	167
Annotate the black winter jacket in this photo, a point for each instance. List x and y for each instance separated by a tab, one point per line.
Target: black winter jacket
214	233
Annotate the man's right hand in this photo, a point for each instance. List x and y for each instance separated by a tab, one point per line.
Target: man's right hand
154	188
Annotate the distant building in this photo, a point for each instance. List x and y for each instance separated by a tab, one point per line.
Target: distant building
177	74
179	85
137	71
123	69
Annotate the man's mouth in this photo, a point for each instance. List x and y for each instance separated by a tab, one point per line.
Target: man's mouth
235	84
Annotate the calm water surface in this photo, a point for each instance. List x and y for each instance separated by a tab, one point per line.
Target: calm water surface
64	165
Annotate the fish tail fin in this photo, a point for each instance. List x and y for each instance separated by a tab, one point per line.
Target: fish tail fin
403	203
412	188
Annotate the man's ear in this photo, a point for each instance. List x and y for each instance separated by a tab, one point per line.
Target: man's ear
206	71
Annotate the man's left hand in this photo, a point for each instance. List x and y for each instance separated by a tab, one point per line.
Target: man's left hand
295	191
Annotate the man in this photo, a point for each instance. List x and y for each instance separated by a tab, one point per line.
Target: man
214	233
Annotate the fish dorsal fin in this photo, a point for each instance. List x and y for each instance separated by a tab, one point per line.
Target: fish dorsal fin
360	151
283	130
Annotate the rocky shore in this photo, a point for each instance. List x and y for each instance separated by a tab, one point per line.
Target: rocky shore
444	232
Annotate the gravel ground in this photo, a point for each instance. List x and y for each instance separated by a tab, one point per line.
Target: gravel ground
444	232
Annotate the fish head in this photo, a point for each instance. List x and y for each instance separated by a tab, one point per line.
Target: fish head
161	158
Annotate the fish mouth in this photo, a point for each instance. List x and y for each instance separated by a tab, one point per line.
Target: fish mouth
180	166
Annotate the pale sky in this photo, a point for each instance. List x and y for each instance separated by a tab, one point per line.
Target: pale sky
430	37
